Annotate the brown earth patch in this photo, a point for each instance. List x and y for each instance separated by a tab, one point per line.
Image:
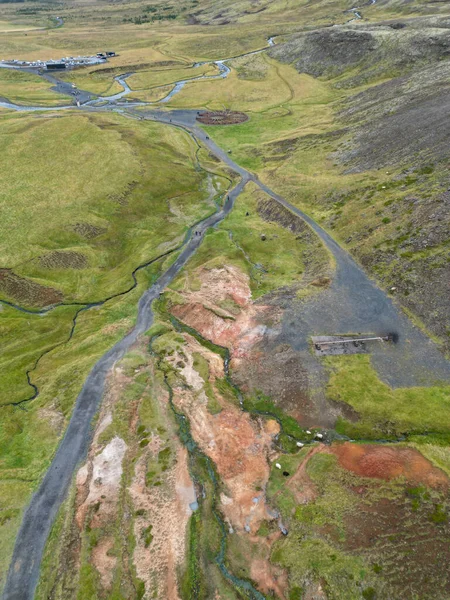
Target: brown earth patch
383	462
272	211
28	292
104	561
321	282
271	579
63	260
87	230
222	117
240	446
300	483
203	310
412	552
282	376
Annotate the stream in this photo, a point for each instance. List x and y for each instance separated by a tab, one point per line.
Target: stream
38	518
355	11
357	305
195	454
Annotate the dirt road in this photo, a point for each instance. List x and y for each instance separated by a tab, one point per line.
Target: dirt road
353	303
38	518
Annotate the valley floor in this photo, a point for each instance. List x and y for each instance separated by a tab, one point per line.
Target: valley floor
164	419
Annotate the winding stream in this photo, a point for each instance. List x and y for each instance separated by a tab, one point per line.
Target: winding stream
195	453
38	518
355	11
360	305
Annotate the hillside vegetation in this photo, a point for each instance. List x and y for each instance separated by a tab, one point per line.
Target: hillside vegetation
228	459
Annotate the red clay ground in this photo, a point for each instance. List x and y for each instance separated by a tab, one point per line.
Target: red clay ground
387	463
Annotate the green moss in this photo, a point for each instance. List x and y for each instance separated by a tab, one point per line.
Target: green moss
147	535
165	458
385	411
201	366
296	593
214	406
264	529
439	515
315	559
262	404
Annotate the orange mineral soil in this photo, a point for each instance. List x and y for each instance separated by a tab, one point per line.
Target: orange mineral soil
387	462
241	447
204	310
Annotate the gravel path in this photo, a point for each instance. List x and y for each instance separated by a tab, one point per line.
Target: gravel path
353	303
23	573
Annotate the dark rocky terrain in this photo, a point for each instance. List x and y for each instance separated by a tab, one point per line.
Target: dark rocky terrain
392	124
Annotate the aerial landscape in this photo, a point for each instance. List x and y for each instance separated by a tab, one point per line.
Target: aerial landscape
224	300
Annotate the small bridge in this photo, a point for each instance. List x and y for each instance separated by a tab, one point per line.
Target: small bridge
334	345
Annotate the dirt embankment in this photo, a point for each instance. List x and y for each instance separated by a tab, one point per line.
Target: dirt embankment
27	292
223	312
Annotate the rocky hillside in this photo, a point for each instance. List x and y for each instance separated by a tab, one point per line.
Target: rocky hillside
359	54
392	128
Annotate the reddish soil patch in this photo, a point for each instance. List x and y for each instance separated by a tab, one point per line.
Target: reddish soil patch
224	117
241	447
271	579
25	291
239	331
384	462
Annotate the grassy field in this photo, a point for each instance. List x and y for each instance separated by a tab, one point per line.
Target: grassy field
89	233
123	175
25	88
149	79
101	84
256	84
382	410
110	216
246	238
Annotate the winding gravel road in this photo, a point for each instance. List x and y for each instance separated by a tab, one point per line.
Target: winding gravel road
23	573
352	303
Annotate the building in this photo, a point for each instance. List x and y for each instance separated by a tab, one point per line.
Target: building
55	66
